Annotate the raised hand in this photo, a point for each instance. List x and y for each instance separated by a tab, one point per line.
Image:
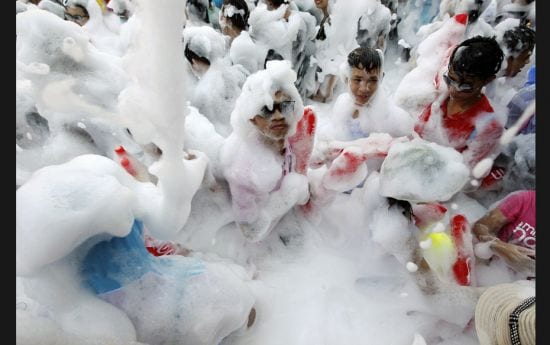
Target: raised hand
302	141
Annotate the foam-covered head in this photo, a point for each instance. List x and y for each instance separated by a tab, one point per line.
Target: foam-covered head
234	15
259	90
421	171
205	42
517	42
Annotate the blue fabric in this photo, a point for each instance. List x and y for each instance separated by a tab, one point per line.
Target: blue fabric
218	3
354	129
531	76
517	106
112	264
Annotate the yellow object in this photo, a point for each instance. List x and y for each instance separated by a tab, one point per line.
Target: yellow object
441	255
102	4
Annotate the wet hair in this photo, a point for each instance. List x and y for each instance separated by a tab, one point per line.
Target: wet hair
277	3
479	57
405	205
272	55
519	39
474	13
190	55
238	20
365	58
199	9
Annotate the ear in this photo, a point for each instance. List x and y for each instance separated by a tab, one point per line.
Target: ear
253	120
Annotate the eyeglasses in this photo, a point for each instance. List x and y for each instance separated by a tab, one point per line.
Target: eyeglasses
285	107
75	18
461	87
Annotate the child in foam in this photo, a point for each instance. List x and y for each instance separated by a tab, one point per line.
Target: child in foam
265	158
166	296
366	108
86	214
463	117
364	118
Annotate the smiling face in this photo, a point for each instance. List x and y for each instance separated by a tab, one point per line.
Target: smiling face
272	123
463	88
363	84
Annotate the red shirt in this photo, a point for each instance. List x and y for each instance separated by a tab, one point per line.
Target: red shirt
459	126
461	131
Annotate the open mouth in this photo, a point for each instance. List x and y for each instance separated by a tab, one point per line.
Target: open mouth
362	99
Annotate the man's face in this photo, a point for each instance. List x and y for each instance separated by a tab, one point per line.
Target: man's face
363	84
273	123
461	88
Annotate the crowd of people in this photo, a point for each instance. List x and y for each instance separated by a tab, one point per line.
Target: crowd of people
288	104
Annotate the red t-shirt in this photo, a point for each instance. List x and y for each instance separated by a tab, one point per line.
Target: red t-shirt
475	143
459	126
519	208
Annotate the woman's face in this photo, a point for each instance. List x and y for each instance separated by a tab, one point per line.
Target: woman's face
363	84
273	123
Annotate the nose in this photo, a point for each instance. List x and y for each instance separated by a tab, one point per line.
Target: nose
365	87
277	115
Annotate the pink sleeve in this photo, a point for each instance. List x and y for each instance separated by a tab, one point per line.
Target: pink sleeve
512	206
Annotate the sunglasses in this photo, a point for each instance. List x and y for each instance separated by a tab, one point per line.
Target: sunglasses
461	87
285	107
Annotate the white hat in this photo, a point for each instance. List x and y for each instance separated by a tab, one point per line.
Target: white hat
493	314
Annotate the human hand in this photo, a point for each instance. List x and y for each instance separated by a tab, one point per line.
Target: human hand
517	257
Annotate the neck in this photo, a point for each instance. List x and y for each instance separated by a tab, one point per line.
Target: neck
278	145
325	11
464	104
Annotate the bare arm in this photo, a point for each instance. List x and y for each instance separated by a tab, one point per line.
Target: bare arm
517	257
488	226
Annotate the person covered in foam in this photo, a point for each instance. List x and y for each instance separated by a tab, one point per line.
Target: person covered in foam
258	161
218	82
63	220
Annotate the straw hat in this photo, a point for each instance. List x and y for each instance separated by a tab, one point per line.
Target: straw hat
494	309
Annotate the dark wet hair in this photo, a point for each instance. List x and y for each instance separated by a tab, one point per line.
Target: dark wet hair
272	55
405	205
190	55
238	20
474	13
519	39
199	9
365	58
277	3
479	57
